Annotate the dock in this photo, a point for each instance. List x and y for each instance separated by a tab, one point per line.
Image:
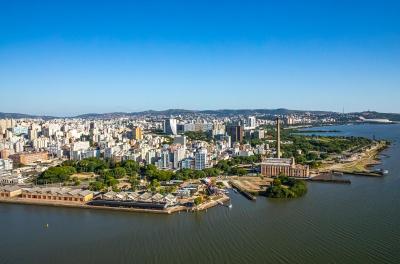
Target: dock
329	178
242	191
362	173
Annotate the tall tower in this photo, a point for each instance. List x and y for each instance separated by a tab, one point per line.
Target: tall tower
278	137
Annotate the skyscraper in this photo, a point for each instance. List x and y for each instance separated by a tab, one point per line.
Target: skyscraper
137	133
236	133
170	126
251	122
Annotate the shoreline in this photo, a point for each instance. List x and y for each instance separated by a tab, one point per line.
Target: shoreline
167	211
360	166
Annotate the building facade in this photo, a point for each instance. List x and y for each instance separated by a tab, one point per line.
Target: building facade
28	158
200	160
57	194
274	167
236	133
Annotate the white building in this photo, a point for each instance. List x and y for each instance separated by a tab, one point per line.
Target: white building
251	122
178	155
170	126
6	164
200	159
81	145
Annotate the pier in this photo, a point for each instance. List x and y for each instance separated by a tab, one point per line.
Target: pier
363	173
242	191
329	178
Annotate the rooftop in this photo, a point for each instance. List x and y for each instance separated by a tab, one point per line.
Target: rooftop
278	162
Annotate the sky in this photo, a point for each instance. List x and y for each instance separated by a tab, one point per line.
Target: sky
72	57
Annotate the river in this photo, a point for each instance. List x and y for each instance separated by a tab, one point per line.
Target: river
333	223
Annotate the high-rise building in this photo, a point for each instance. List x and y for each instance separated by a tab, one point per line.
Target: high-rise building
3	126
225	138
164	161
187	163
170	126
32	133
138	133
236	133
200	159
259	134
251	122
19	147
151	156
178	155
278	138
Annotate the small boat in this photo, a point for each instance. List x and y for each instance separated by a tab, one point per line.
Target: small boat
46	226
382	171
230	206
235	190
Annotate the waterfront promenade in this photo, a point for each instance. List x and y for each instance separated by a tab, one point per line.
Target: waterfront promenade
169	210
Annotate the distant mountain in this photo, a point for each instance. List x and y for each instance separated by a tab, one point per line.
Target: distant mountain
18	116
376	115
104	116
221	112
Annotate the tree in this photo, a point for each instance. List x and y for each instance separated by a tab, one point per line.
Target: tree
285	187
96	186
111	181
134	181
198	200
198	174
277	182
154	185
132	167
238	171
212	172
56	174
119	172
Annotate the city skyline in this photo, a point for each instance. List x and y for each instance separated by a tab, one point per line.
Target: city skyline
66	59
173	113
229	131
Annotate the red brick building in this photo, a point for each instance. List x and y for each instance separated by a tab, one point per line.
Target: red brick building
30	157
275	167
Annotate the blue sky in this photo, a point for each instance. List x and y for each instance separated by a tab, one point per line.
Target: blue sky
70	57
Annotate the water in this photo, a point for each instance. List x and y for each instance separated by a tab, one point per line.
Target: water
357	223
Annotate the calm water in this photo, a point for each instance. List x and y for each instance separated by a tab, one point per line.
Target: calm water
357	223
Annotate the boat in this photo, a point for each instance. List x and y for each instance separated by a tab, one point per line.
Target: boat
382	171
230	206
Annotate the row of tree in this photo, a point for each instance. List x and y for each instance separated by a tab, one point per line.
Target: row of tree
109	172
